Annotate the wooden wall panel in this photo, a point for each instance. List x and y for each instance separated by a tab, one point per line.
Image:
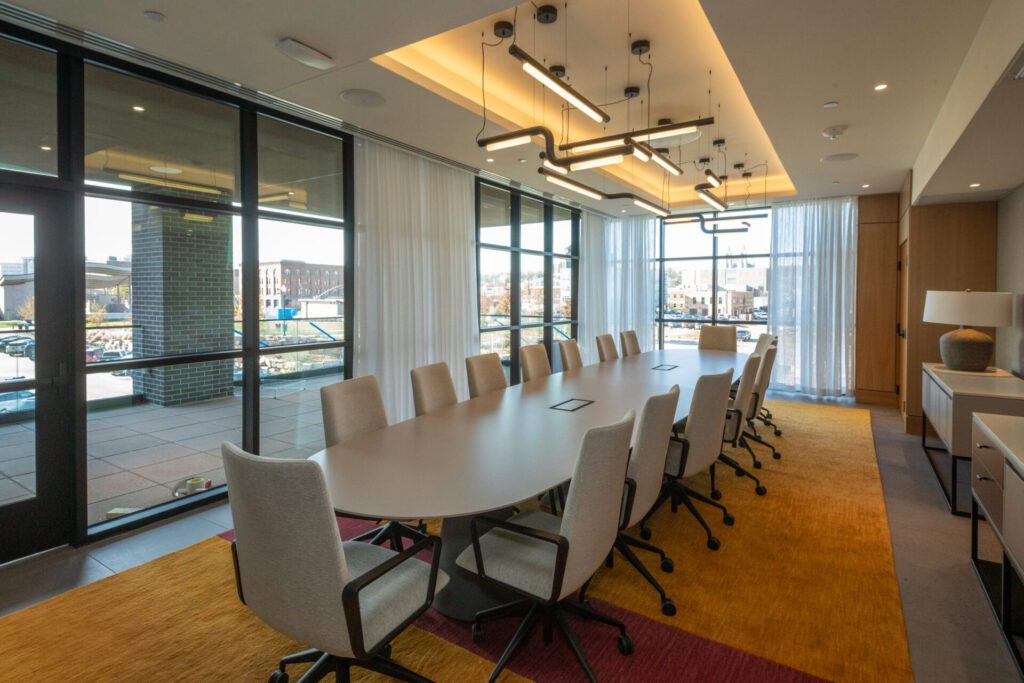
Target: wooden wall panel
876	308
878	208
952	247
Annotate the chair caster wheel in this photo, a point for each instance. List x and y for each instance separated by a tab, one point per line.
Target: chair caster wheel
625	644
668	608
777	455
478	633
757	465
728	519
760	490
645	534
278	677
667	565
716	495
713	543
738	473
778	432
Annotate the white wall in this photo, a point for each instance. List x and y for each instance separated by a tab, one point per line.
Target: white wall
1010	278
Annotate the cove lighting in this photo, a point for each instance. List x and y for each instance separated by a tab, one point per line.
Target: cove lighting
555	84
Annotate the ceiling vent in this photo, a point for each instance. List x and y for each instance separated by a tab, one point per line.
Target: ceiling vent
833	132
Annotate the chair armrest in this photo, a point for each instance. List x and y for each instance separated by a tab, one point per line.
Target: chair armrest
685	445
350	594
627	500
560	542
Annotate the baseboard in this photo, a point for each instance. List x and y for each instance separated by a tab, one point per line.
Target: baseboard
880	398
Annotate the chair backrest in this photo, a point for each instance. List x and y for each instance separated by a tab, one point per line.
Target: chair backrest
744	396
763	342
485	374
763	379
650	447
570	352
630	343
705	422
432	388
351	408
717	338
291	564
533	361
606	347
590	520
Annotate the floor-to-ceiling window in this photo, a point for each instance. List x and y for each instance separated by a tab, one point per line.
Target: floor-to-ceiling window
527	260
209	280
715	279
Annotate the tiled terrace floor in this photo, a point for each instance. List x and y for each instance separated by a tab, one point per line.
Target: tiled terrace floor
137	454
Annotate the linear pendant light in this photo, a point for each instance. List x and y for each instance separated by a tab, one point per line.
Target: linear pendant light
173	184
664	161
556	169
644	135
703	193
597	162
696	218
647	206
712	178
601	157
603	144
580	188
562	89
668	131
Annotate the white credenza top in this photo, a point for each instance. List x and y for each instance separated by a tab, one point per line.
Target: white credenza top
1007	434
999	384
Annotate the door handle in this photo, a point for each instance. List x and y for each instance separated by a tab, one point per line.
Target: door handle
981	445
902	334
982	477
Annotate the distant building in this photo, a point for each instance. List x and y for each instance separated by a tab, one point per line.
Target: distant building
285	284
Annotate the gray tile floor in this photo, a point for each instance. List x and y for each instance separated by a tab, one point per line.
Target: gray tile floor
137	454
951	631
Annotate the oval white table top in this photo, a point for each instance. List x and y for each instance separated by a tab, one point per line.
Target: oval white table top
504	447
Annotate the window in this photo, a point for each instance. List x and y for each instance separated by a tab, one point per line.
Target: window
714	279
527	263
28	109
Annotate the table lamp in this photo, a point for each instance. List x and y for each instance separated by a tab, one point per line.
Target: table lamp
966	349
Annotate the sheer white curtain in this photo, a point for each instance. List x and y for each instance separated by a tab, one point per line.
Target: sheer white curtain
618	280
416	298
812	304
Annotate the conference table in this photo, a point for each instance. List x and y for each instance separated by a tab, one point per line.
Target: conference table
487	454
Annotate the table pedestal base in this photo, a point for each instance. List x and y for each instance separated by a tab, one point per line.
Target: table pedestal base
465	594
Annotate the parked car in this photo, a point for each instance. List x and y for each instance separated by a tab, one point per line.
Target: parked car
14	401
7	339
18	348
112	356
93	354
30	350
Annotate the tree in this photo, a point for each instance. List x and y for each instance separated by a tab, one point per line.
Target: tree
27	311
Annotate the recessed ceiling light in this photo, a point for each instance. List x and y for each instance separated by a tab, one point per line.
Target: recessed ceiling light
45	148
490	160
865	186
304	54
975	185
153	15
831	104
166	170
522	161
835	182
361	97
881	86
138	108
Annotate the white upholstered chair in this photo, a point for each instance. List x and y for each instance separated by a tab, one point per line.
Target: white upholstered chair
432	388
606	348
346	600
570	352
629	342
533	361
485	374
735	419
717	338
546	559
696	450
352	408
761	382
644	482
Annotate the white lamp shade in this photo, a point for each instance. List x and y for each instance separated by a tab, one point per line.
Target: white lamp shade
976	309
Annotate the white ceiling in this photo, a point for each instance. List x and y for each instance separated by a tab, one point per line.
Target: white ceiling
792	56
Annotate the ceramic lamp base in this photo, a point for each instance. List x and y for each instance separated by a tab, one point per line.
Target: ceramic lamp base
966	350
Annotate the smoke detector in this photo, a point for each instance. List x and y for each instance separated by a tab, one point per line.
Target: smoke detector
833	132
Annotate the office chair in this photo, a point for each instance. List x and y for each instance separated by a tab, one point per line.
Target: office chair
606	348
485	374
432	388
352	408
630	343
763	342
533	361
717	338
763	414
646	469
695	451
764	374
546	559
348	600
570	351
735	419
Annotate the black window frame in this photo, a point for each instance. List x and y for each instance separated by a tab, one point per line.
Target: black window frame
660	319
515	328
70	180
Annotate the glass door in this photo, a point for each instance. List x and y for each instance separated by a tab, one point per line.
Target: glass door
37	421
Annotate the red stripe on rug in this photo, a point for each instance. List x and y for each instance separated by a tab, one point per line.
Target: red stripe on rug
661	652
